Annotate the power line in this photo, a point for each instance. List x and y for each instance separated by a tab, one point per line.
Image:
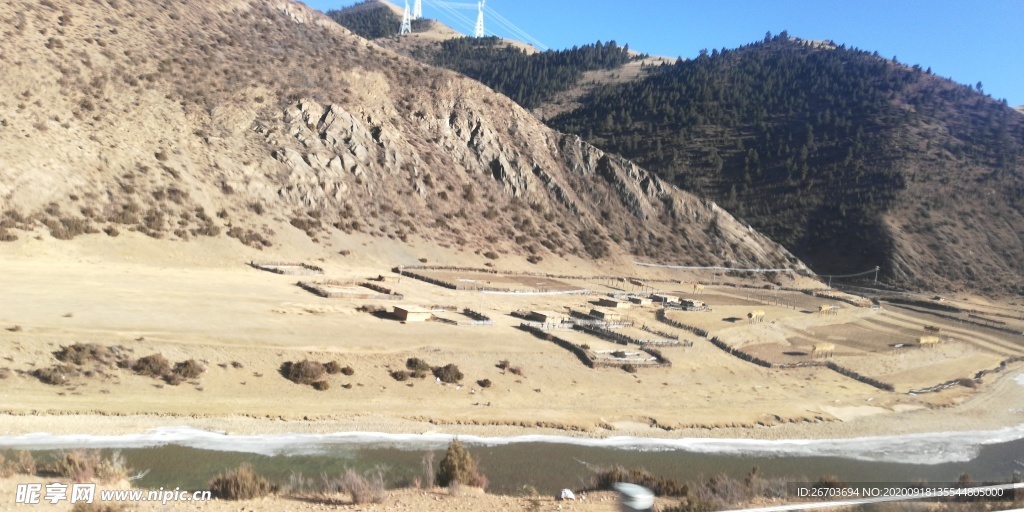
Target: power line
512	27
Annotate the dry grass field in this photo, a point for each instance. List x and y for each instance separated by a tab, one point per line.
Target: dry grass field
199	301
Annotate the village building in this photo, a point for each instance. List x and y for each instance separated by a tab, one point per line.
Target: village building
608	302
412	314
606	314
548	317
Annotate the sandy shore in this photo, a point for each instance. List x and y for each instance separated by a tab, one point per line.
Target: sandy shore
1000	405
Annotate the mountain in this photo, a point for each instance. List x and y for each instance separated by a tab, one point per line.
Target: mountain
849	160
253	118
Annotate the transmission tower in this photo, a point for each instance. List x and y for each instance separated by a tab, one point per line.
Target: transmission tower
406	20
417	10
480	20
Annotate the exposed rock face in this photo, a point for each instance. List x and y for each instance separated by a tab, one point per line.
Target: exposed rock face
331	132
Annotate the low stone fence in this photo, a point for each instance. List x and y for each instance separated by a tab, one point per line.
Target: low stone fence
853	300
402	269
476	319
480	288
930	311
320	288
622	339
770	300
590	359
966	381
679	325
830	365
292	269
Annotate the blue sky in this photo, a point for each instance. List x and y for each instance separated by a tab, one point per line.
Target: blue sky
968	40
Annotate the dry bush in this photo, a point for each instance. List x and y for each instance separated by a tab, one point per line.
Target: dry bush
174	379
516	370
605	479
240	484
89	466
190	369
6	236
368	488
458	467
348	371
305	372
503	364
629	368
155	365
55	375
5	373
111	231
619	354
400	375
82	506
448	373
84	353
237	365
24	465
333	367
321	385
484	383
417	364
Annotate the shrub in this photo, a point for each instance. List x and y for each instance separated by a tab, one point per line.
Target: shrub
55	375
81	354
5	373
173	379
24	465
484	383
155	365
458	467
516	370
237	365
240	484
111	231
305	372
629	368
333	367
504	364
400	375
491	255
348	371
7	236
417	364
449	373
82	506
89	465
619	354
367	488
190	369
321	385
605	479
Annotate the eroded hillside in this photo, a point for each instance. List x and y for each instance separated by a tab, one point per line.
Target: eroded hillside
241	118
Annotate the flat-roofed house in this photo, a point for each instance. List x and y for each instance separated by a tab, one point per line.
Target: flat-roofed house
412	314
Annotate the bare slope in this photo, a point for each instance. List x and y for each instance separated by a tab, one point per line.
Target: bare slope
241	117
